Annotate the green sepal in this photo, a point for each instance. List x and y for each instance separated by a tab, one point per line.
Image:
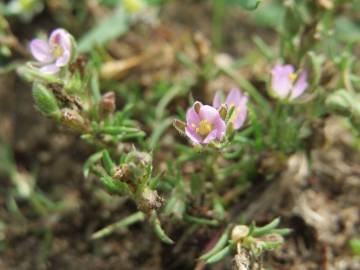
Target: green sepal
45	101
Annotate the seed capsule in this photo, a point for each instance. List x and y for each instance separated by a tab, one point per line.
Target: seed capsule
239	232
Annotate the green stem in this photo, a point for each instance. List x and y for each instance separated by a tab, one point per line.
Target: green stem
121	224
217	22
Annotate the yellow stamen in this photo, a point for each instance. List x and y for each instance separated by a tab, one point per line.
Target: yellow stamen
293	76
57	52
204	128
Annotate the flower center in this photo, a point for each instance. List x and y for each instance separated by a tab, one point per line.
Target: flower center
204	128
57	51
292	77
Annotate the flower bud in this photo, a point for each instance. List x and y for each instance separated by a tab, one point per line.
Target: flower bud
180	126
197	107
73	120
239	232
107	103
122	172
223	111
45	101
149	200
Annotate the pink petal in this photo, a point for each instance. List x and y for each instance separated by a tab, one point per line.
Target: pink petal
217	100
41	51
281	83
234	97
60	37
194	137
241	113
209	113
64	59
300	86
210	137
220	128
50	69
192	117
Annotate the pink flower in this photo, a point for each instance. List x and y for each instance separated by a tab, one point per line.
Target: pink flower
239	101
204	124
54	53
286	84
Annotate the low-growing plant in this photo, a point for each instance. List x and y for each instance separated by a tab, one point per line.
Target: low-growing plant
217	148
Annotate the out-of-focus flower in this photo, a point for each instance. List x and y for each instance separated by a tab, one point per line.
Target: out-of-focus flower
55	53
133	5
286	83
24	9
204	124
235	99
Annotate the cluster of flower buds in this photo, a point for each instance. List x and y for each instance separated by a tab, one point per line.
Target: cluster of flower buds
131	177
247	242
206	124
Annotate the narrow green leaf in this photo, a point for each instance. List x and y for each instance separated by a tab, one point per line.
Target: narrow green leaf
260	231
220	255
115	186
282	232
95	87
90	162
201	221
108	163
121	224
161	233
218	246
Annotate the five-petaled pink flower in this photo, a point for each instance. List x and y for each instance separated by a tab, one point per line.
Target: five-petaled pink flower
237	99
286	84
54	53
204	124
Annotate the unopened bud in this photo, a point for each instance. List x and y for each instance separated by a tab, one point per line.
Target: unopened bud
108	103
73	120
230	129
223	111
179	125
197	106
122	172
45	101
239	232
149	200
138	158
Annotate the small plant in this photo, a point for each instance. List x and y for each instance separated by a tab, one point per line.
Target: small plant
214	153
